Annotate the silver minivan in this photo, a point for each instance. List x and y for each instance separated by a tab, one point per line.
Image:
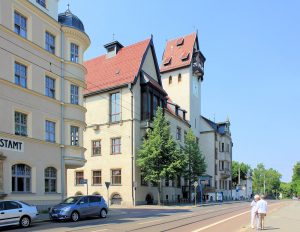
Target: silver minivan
17	213
77	207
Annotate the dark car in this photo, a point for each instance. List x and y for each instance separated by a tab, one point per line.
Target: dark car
77	207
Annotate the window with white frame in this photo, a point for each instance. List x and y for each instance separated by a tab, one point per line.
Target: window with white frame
96	147
21	178
20	124
50	87
50	42
115	146
20	75
178	133
50	131
74	94
50	180
20	24
74	136
115	107
74	53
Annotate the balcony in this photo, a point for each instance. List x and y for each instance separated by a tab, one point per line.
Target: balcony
198	64
74	157
225	173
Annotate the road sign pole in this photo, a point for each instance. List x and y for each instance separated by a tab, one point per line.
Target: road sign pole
87	188
107	184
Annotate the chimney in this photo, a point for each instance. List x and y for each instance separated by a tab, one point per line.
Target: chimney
112	48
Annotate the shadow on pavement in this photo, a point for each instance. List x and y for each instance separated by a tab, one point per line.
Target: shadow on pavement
130	215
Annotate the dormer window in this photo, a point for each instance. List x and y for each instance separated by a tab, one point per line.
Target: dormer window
185	56
42	2
113	48
179	77
167	61
180	42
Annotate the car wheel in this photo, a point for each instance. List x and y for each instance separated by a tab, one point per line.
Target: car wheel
103	213
25	221
75	216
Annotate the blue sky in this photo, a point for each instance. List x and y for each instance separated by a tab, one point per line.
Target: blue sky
252	73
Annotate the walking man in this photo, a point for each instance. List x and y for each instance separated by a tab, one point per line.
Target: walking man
261	209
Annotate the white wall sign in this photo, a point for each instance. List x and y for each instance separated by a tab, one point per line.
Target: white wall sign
11	145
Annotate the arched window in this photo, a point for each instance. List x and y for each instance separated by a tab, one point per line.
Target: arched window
116	199
78	193
179	77
170	80
21	178
50	180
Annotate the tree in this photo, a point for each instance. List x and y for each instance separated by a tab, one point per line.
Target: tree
159	156
244	170
296	179
266	181
286	190
196	165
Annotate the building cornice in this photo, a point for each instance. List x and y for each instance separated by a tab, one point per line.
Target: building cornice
75	122
76	34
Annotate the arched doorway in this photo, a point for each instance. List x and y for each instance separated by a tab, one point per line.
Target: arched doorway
149	199
116	199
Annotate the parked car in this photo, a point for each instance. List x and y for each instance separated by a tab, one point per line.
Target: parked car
17	213
77	207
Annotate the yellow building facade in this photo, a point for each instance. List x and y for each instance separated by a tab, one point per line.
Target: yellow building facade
41	99
124	89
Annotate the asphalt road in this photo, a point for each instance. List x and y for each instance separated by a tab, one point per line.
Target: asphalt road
226	217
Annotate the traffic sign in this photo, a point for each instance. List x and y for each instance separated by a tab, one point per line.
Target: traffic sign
195	184
107	184
83	181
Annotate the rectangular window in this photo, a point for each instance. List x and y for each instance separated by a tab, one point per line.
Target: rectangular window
74	136
20	75
167	182
222	148
96	147
178	133
115	146
50	43
115	107
50	131
50	87
116	177
79	176
155	105
42	2
20	124
74	94
227	147
20	25
74	53
97	177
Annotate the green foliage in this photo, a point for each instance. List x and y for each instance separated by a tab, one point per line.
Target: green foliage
268	177
296	179
195	159
244	169
286	190
159	156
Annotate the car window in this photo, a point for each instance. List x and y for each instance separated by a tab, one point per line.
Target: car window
2	206
71	200
94	199
11	205
84	200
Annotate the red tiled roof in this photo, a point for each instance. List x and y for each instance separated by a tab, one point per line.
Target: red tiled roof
104	73
178	52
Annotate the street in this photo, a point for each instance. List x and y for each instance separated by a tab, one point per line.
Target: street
233	217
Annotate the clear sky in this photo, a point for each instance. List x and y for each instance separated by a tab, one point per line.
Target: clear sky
252	72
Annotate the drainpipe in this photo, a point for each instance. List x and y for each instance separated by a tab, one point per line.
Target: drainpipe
132	150
62	126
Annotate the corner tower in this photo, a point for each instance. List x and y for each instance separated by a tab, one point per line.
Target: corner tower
182	72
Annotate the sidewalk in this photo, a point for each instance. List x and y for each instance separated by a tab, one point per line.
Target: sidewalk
285	219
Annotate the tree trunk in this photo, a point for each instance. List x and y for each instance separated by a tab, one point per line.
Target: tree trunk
158	194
